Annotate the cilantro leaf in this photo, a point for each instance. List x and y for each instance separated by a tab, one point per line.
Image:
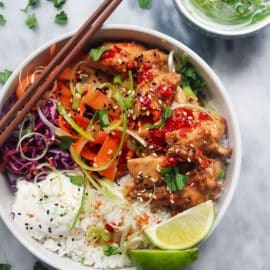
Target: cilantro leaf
31	3
97	53
65	142
103	118
1	4
61	18
111	250
76	180
2	20
59	3
5	266
39	266
31	21
174	180
145	4
167	112
4	75
191	80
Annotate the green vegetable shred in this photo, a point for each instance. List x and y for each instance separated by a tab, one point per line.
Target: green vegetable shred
234	11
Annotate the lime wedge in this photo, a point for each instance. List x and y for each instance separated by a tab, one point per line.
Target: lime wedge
184	230
147	259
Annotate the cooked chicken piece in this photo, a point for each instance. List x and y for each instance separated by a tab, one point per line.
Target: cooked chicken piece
206	180
182	98
203	136
155	58
145	171
119	59
202	186
155	94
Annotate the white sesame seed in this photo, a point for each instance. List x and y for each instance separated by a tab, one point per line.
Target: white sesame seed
188	159
134	117
160	101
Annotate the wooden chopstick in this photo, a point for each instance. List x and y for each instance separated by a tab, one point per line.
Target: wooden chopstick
54	69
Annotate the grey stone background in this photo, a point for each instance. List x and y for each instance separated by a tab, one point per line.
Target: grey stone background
242	239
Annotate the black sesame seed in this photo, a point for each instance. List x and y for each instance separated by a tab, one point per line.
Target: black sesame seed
59	245
19	213
50	230
48	212
73	239
39	226
51	219
60	235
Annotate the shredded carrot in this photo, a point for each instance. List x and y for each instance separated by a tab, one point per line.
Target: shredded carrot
66	74
52	51
81	121
79	145
65	95
87	153
100	137
21	88
95	99
105	154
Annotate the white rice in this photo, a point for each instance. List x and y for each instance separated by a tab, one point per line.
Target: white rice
30	210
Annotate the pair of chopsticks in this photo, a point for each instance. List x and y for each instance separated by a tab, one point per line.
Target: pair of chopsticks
37	90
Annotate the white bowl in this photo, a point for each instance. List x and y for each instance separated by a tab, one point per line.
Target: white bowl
155	39
228	31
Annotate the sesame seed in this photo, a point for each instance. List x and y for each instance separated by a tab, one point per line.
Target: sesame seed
40	226
172	201
188	159
48	212
50	230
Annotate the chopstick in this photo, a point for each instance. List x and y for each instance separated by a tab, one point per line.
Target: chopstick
36	91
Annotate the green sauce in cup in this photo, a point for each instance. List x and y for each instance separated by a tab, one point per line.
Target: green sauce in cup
234	12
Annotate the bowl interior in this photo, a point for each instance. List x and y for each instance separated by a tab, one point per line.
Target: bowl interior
217	95
199	19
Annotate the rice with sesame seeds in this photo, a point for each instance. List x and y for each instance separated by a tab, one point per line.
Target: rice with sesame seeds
49	220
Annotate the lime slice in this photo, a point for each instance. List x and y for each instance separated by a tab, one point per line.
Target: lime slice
147	259
184	230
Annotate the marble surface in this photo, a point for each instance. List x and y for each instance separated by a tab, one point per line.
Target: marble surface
241	241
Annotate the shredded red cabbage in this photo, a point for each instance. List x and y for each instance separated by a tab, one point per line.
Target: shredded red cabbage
14	163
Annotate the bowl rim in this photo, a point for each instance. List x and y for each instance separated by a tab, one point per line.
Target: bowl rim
250	29
198	59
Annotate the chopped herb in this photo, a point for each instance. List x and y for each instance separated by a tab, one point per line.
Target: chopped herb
65	142
97	53
111	250
103	118
31	3
5	266
4	75
76	180
192	83
59	3
1	4
61	18
174	180
221	173
145	4
2	20
31	21
167	112
39	266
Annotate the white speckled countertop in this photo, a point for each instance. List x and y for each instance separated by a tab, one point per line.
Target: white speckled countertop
241	241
